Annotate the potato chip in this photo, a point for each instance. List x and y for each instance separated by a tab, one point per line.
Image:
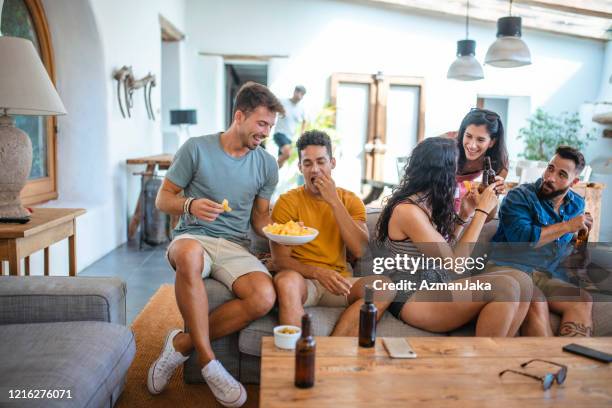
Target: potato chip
468	185
289	228
226	206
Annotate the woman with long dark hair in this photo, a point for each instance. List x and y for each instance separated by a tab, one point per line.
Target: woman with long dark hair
419	220
481	134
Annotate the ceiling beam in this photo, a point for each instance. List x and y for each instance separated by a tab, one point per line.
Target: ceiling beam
169	32
600	8
242	57
536	18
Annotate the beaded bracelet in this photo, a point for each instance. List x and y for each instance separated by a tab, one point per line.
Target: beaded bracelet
187	205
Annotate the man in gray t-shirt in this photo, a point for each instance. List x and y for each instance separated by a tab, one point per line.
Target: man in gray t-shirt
226	180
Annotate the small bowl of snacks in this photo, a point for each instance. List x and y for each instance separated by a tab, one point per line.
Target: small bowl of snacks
286	336
290	233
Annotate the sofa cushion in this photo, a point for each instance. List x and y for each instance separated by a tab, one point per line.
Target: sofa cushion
323	321
389	326
217	293
44	299
602	315
89	358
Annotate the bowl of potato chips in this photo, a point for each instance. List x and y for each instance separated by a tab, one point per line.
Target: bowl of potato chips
285	336
290	233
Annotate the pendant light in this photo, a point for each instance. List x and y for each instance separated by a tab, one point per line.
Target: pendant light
509	50
466	67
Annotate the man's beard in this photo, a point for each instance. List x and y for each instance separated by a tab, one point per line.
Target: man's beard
552	194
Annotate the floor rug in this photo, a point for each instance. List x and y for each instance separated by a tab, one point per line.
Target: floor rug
150	329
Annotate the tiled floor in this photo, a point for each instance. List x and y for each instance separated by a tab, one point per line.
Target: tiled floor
144	272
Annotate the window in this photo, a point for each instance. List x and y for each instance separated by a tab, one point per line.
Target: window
26	19
379	119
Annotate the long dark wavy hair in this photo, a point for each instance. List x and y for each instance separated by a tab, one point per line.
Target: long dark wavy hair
431	173
498	153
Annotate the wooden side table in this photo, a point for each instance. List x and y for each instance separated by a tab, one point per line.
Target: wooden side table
46	227
161	162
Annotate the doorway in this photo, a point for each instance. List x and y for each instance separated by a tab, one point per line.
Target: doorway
236	74
379	118
170	78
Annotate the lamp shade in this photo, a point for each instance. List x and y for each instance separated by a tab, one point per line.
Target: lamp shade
509	50
25	86
466	67
183	117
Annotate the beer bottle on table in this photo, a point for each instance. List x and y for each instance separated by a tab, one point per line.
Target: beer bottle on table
305	349
367	319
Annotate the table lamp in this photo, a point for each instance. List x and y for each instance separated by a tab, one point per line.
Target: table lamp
25	89
184	118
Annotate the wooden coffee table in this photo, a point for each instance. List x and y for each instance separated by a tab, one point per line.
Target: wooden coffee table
449	372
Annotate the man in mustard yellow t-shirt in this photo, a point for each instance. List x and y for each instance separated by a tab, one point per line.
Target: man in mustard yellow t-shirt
316	274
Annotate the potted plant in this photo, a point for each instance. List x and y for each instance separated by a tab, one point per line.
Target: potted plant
546	131
324	121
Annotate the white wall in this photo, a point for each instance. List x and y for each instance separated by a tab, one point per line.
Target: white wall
91	38
170	96
324	36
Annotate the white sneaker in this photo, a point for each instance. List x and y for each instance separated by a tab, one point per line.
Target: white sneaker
228	391
166	364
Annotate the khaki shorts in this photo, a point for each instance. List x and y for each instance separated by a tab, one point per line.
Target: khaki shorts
319	296
555	289
224	260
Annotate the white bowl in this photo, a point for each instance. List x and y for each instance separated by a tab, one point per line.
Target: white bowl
293	239
286	341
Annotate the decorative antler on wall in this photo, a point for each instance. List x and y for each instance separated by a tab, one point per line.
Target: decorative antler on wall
126	77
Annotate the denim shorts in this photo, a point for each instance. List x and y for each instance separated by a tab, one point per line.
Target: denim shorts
281	140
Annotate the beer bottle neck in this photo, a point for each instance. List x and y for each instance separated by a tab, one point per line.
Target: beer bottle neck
306	327
487	163
369	295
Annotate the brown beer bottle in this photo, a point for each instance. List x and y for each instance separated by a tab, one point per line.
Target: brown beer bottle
305	349
367	319
488	175
583	235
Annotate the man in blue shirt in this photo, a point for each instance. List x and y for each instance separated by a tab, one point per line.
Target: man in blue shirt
547	214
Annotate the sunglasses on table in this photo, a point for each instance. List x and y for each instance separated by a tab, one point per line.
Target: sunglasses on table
547	379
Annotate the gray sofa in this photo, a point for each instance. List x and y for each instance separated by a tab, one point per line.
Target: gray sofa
64	333
240	352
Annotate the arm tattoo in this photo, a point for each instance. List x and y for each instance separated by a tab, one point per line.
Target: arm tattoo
573	329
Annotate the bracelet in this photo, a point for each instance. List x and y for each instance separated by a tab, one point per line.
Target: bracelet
191	200
459	220
482	211
186	205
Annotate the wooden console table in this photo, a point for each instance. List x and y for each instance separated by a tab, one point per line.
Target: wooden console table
46	227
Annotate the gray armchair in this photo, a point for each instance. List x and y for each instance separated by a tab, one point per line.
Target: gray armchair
64	333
